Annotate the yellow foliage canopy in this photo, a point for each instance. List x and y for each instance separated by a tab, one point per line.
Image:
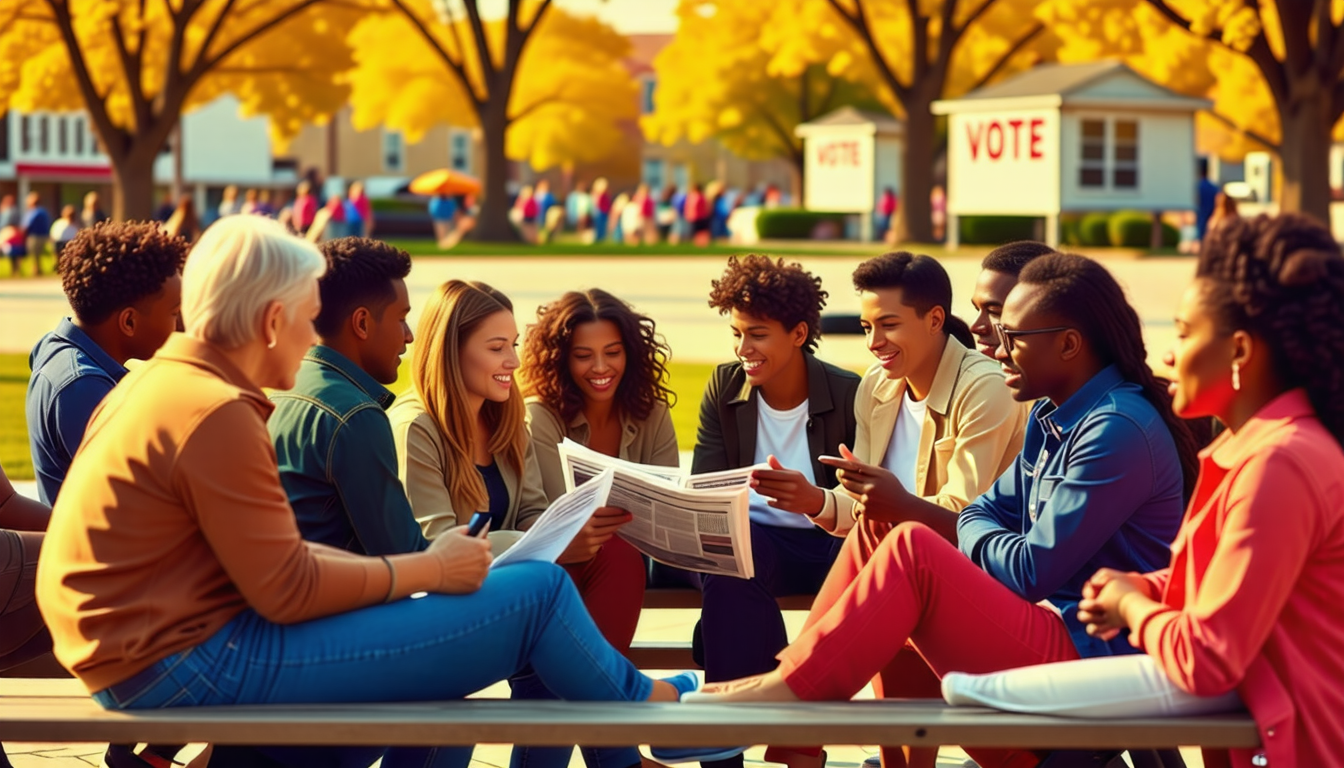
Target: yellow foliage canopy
715	80
279	57
571	92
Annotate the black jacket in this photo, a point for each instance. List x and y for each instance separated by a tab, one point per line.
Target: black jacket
727	435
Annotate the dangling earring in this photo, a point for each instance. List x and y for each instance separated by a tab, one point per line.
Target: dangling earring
271	345
1236	376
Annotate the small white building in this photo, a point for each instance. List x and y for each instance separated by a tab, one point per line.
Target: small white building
850	156
219	147
1069	138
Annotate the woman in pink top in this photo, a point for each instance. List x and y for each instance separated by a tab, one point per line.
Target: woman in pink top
1249	611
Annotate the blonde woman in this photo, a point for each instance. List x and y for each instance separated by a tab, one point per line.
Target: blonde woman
173	573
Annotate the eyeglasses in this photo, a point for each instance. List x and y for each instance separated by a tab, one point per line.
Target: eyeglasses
1006	335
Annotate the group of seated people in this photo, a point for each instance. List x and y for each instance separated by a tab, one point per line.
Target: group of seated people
1015	513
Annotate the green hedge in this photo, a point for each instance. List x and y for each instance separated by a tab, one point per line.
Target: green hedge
996	230
794	223
1134	229
1094	230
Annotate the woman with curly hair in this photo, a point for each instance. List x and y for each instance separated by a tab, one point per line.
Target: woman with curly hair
776	403
1248	610
593	370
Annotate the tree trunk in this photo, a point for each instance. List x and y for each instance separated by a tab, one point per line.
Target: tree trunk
913	220
494	225
1304	145
133	186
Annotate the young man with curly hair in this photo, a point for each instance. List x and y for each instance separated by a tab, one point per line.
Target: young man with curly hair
776	403
332	438
123	282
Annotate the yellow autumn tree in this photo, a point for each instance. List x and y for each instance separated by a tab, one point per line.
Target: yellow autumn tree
912	53
715	81
543	85
136	65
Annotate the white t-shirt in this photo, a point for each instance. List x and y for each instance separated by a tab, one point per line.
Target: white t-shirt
902	458
782	434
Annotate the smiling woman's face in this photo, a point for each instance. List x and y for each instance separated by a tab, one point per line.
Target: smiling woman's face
489	356
597	359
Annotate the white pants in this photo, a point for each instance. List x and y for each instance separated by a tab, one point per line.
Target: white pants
1112	686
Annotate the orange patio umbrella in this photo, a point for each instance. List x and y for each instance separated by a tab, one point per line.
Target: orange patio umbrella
445	181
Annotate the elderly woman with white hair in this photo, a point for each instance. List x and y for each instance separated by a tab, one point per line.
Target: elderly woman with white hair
173	573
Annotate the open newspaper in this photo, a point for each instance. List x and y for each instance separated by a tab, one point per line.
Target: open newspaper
552	532
696	522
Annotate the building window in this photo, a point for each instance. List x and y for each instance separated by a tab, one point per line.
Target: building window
1125	171
459	151
44	134
4	138
78	127
394	152
654	174
25	134
649	86
1092	169
62	136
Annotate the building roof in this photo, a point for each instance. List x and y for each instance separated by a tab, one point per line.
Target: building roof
881	122
643	50
1089	84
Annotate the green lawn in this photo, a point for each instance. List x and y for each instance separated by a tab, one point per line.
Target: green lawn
687	379
7	269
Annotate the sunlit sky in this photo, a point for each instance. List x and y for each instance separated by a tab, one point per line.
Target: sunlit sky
628	16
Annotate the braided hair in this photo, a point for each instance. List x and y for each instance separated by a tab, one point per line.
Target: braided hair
1088	297
1281	278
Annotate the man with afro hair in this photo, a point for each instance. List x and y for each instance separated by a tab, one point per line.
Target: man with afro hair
777	404
123	281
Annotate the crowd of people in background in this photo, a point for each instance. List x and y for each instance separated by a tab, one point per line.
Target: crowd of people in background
26	232
695	213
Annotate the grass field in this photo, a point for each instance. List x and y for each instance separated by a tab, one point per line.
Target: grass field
687	380
26	266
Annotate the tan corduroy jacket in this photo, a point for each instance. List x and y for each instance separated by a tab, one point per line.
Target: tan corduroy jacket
972	432
422	464
650	441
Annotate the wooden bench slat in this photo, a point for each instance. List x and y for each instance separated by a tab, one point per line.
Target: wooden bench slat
607	724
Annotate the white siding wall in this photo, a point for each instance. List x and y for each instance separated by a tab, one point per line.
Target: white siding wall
1166	163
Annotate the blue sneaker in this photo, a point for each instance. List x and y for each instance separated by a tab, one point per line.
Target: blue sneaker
687	683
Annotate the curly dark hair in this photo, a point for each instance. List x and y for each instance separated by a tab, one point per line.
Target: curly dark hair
1011	258
359	273
545	365
1082	292
924	285
113	265
1281	279
770	289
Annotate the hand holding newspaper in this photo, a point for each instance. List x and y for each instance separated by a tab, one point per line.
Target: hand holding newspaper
548	537
695	522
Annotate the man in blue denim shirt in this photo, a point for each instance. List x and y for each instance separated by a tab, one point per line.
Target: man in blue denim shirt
332	438
1099	482
123	282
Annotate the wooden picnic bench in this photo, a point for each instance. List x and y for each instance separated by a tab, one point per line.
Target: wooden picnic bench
60	711
648	654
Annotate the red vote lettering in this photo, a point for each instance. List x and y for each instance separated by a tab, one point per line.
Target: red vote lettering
839	153
974	132
994	152
994	136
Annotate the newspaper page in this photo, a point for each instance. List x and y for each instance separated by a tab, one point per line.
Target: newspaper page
548	537
678	520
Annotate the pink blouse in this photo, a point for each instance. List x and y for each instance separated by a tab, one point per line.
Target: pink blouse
1254	597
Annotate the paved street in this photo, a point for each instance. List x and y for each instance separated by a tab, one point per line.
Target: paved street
671	289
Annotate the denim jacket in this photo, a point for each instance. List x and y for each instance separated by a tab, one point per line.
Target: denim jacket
71	376
1098	485
337	460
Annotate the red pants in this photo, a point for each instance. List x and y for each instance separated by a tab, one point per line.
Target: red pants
912	585
612	586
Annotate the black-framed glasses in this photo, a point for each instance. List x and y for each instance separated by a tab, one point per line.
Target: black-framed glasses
1007	335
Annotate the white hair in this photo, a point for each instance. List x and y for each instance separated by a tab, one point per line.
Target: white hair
240	265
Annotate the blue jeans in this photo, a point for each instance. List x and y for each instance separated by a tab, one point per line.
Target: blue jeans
433	648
